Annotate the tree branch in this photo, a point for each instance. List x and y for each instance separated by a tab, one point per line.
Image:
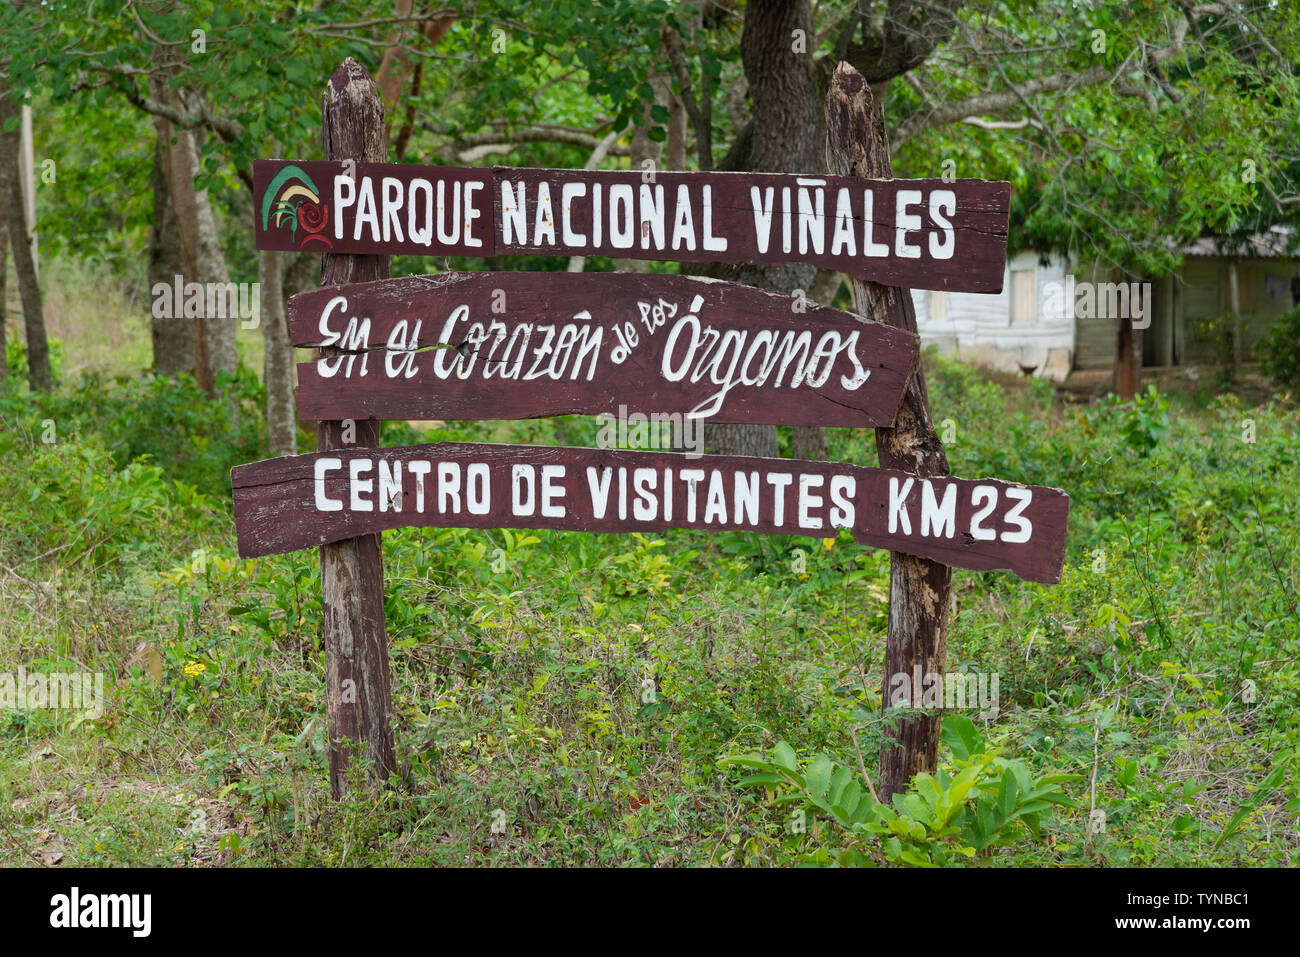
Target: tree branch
474	146
1002	100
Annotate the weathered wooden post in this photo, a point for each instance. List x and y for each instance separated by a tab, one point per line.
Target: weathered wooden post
919	589
357	690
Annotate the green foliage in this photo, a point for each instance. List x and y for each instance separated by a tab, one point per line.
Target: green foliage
1279	351
969	806
168	421
584	685
1143	423
16	359
1124	177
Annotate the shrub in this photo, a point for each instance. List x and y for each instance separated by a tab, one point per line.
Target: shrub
1279	351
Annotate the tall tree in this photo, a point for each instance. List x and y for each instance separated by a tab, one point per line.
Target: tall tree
39	375
277	374
778	63
4	290
174	337
201	252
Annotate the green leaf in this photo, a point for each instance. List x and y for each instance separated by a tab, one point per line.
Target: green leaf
839	782
928	788
783	756
960	736
1008	794
745	761
818	775
1033	807
766	779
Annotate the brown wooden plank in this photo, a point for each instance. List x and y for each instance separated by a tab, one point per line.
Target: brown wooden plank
541	344
281	505
925	234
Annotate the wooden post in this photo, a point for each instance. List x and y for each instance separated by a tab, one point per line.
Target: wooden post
357	691
919	589
1126	375
1234	310
1125	360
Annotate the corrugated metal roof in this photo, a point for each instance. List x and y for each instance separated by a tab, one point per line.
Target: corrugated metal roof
1271	244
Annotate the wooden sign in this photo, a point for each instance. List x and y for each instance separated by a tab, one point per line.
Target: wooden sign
525	345
511	345
926	233
302	501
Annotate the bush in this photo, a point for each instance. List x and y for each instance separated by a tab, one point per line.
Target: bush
1279	351
193	439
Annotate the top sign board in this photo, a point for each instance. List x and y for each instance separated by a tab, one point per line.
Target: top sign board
921	234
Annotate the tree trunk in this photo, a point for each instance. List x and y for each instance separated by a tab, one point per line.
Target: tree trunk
640	149
200	244
1234	307
919	589
810	443
1125	378
395	73
784	140
27	176
181	198
221	331
357	692
4	290
675	144
297	272
210	261
39	376
1125	360
277	372
302	273
172	335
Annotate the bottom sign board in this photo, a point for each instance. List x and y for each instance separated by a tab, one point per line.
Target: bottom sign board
302	501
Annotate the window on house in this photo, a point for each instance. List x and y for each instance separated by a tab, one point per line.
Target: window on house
938	306
1024	296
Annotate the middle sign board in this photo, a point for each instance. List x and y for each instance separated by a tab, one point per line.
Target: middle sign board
505	345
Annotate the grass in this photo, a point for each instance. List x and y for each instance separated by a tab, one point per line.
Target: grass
565	699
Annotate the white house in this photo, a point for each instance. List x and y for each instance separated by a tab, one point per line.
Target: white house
1050	319
1010	331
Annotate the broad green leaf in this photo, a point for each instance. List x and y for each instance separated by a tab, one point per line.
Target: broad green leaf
839	781
818	775
783	756
960	736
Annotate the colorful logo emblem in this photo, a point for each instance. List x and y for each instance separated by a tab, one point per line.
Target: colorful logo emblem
292	197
